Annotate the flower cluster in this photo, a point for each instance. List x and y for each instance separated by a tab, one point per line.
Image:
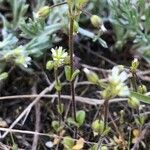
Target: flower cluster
19	56
117	85
59	57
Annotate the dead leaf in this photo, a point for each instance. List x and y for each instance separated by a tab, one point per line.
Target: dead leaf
79	144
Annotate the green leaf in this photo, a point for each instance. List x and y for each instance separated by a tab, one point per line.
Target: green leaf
60	108
75	73
68	73
55	125
71	121
80	115
68	142
141	97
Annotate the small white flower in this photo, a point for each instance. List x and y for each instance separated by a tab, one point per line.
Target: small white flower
117	79
23	60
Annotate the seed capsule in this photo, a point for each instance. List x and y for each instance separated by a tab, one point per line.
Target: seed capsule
96	21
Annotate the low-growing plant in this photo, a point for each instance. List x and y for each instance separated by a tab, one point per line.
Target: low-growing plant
30	38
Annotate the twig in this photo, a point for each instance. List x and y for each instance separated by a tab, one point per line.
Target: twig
86	100
29	108
38	133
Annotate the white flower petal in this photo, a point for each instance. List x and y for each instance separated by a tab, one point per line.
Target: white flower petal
53	52
115	70
123	76
124	91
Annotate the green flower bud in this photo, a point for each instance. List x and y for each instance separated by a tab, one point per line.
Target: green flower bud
142	89
91	76
50	65
104	148
134	65
43	12
133	102
98	126
96	21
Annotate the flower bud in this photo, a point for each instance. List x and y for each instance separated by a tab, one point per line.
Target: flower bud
134	65
104	148
43	12
96	21
49	65
142	89
133	102
91	76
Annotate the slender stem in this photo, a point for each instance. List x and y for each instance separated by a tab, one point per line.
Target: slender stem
106	105
134	81
71	51
59	95
59	4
